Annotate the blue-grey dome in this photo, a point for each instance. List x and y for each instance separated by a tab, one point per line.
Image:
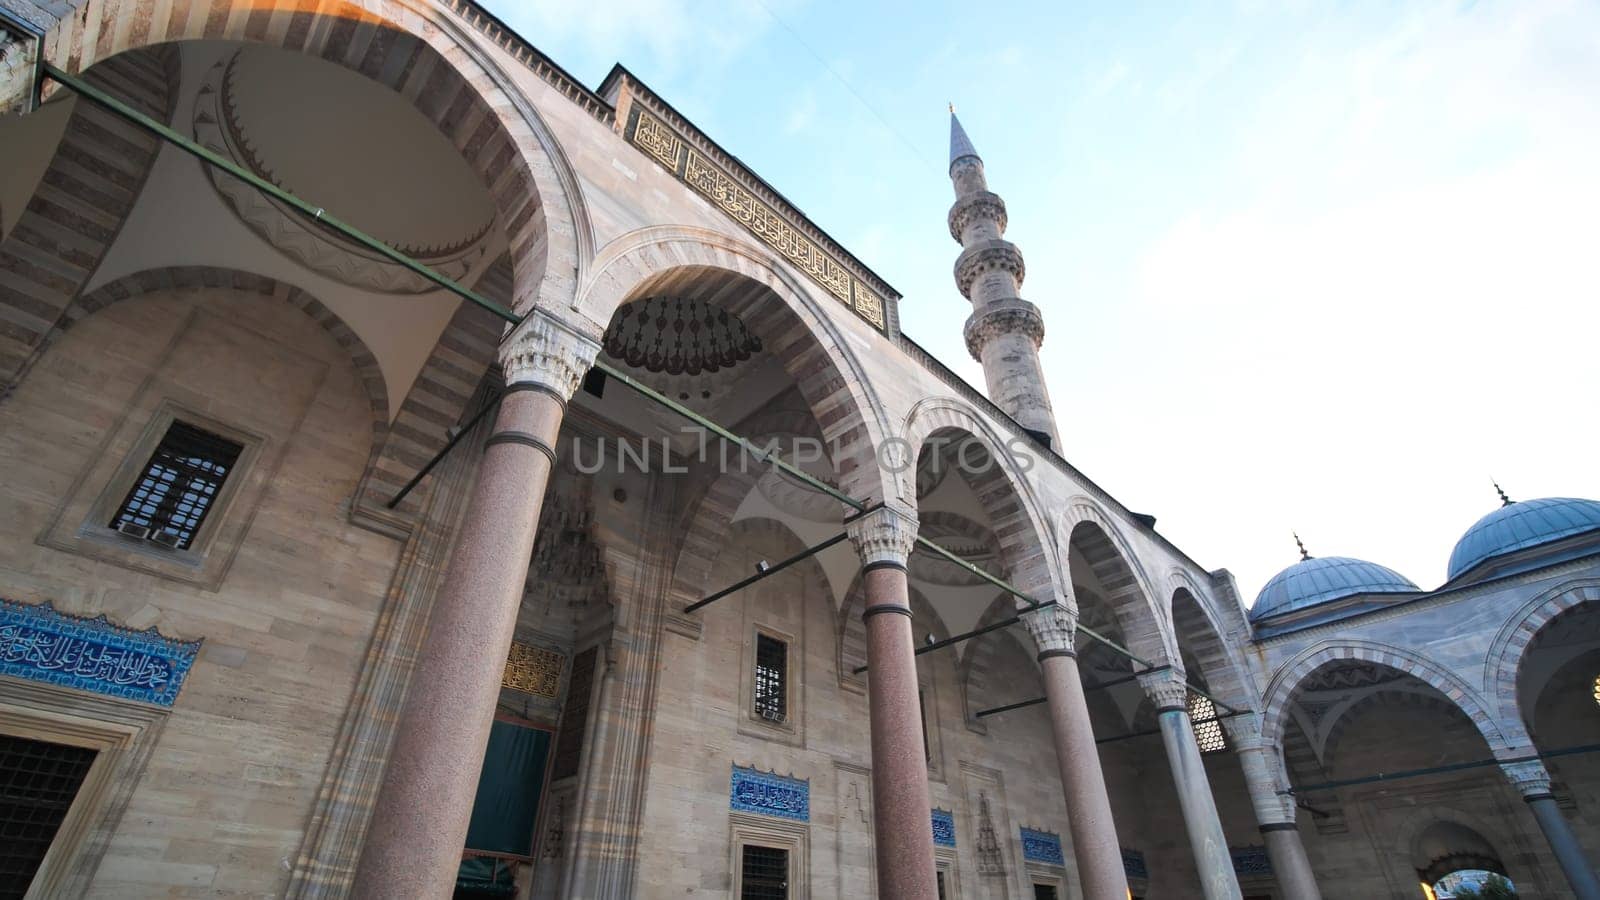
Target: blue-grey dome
1325	578
1517	526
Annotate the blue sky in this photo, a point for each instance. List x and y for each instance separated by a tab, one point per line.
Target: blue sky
1303	265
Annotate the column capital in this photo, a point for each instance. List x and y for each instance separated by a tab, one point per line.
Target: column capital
1167	688
1053	629
885	535
1530	778
548	353
1244	730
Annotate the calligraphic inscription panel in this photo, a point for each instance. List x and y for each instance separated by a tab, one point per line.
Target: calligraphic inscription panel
1042	846
40	644
533	670
768	794
944	828
662	144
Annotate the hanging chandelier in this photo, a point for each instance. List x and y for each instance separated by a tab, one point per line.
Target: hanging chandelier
679	336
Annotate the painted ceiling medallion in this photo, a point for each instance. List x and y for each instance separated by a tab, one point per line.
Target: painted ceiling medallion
281	116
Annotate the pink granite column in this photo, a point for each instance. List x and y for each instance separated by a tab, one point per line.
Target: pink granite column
1267	782
419	821
1095	847
902	823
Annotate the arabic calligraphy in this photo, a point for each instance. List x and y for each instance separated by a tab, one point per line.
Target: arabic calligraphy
654	137
769	794
944	828
1041	846
40	644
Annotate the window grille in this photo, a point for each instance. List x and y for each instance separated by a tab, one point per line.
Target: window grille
765	873
772	671
1596	690
940	876
1044	892
38	782
1207	729
178	487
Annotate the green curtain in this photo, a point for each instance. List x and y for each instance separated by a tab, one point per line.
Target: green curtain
507	805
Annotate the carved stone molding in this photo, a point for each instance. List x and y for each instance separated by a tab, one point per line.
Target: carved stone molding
988	256
1052	628
1530	778
1166	688
885	535
979	206
547	352
1015	316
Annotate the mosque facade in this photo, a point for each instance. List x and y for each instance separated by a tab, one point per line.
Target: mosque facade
427	475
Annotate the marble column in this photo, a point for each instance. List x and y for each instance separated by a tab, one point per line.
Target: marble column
419	821
902	824
1532	780
1211	857
1268	782
1095	847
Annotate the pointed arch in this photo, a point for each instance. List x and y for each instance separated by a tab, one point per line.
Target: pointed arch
808	341
1506	653
1195	628
1505	740
1090	536
1015	513
418	51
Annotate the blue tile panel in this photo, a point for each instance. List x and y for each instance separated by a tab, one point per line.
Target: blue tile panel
768	794
1250	860
1323	580
1518	526
1041	846
1133	864
40	644
944	828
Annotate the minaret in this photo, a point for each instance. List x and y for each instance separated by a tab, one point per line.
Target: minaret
1004	331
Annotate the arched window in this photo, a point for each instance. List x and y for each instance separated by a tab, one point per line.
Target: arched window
1207	730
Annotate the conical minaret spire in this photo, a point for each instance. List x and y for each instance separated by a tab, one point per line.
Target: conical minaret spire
1005	331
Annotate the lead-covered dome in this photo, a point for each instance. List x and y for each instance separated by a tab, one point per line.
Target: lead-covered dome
1518	526
1324	579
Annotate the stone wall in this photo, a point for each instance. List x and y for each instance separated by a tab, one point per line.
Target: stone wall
224	799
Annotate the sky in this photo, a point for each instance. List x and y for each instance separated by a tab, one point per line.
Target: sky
1304	266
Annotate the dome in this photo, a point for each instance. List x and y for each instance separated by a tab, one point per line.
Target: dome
1517	526
1321	579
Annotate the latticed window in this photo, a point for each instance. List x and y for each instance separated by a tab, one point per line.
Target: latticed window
1596	690
764	873
772	677
38	782
1207	729
178	487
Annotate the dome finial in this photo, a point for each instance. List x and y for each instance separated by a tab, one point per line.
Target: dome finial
1301	544
1504	500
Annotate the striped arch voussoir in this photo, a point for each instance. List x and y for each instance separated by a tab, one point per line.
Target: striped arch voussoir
1285	686
1142	617
746	279
1504	660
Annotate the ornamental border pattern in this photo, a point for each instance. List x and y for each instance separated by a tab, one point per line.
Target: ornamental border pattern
944	828
769	794
1041	846
657	140
40	643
